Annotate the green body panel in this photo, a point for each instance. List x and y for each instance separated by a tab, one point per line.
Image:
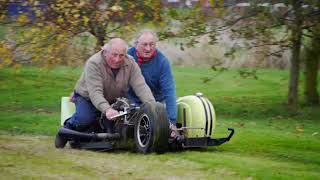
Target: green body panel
198	112
67	109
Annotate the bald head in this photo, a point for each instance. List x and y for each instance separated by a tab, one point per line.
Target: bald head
115	42
115	52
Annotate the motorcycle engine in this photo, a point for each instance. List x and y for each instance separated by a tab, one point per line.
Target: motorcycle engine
121	104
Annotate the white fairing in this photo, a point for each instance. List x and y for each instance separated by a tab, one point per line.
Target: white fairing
67	109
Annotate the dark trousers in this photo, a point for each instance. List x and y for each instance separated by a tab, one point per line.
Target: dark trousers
85	115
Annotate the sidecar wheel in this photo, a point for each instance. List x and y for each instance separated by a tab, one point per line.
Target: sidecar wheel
151	132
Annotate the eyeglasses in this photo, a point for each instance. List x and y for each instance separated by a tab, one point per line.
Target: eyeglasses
152	45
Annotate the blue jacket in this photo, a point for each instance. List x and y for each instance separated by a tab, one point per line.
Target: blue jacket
159	77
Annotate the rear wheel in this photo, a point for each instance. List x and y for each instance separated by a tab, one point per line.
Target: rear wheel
151	132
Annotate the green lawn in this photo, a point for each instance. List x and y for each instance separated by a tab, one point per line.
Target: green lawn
272	141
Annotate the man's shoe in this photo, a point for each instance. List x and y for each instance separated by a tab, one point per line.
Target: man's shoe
60	142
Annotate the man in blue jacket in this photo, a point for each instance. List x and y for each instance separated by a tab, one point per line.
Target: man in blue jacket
156	70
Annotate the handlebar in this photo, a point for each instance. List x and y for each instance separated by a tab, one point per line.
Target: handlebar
127	111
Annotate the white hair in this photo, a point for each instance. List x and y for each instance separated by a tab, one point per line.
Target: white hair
108	46
145	31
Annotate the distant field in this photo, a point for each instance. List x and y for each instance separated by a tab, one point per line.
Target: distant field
271	141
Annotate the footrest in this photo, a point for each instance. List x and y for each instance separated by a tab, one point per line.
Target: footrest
195	142
96	146
205	141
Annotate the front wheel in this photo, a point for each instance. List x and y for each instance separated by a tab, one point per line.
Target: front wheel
151	132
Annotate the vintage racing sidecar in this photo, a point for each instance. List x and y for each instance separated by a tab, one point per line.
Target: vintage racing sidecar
145	128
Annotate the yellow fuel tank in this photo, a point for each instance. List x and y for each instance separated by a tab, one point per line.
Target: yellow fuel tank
196	115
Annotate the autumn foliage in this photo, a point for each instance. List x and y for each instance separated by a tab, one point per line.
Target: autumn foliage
41	32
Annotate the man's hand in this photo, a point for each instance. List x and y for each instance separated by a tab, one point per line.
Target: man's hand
174	130
110	112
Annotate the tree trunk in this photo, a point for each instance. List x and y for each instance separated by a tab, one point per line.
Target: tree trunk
294	74
311	74
100	36
100	41
295	59
311	69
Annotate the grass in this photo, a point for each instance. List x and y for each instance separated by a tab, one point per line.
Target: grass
272	140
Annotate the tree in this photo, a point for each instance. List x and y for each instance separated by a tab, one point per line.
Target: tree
312	58
43	29
283	26
296	39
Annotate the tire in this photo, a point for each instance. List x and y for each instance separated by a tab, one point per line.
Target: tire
151	131
60	142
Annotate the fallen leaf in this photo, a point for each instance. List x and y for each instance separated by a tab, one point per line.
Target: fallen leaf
240	124
300	127
315	133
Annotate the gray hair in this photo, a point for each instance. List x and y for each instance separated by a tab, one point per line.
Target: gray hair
145	31
108	46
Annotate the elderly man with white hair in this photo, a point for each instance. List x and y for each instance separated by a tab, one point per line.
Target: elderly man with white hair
157	72
107	75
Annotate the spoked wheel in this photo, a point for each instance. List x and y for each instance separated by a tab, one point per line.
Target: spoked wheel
144	131
151	132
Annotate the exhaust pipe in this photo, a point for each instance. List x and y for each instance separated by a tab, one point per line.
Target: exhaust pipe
71	134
